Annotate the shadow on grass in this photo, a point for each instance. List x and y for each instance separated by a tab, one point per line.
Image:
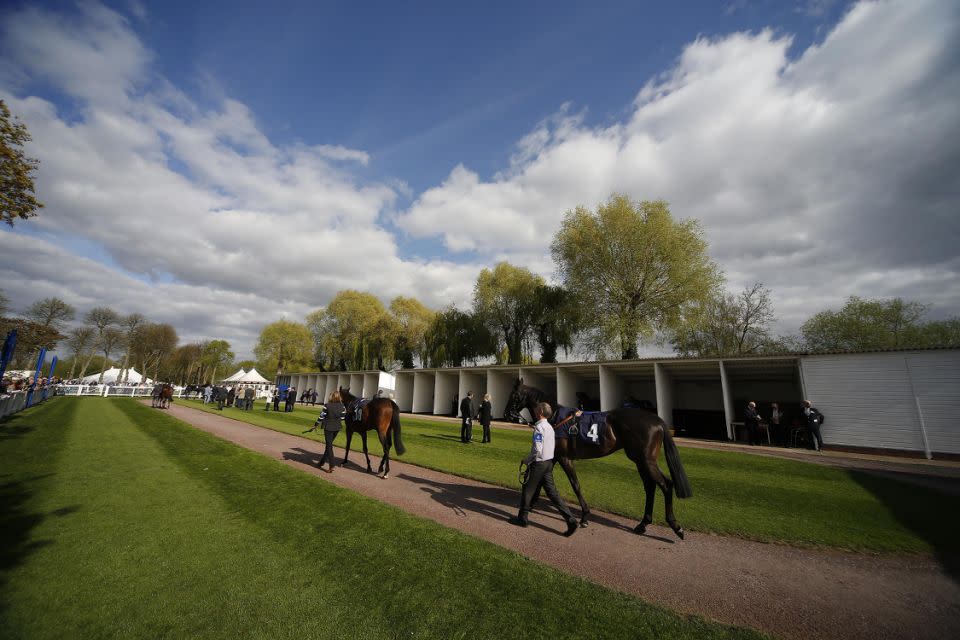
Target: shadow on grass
496	502
440	436
932	515
14	432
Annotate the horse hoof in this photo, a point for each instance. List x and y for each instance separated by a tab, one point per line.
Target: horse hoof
640	529
584	523
384	476
679	532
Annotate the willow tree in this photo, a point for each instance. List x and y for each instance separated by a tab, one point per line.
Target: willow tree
354	331
503	298
635	270
283	346
413	318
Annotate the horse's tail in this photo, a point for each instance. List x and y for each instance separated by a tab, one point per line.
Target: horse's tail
395	429
680	482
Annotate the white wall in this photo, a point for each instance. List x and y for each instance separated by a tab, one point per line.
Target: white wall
475	381
424	385
611	389
664	382
404	383
447	384
499	385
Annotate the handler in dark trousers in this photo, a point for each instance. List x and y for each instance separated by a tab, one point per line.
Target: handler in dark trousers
814	419
752	420
466	414
485	415
291	400
332	415
540	461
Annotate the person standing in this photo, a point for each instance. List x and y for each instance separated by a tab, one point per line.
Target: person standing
221	395
207	393
276	399
248	394
775	415
332	419
752	420
814	419
540	471
484	416
466	416
291	400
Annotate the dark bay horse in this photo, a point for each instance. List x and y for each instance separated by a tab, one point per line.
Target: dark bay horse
638	432
379	414
162	395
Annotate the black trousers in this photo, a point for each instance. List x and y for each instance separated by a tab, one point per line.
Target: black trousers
466	430
486	431
328	438
541	474
816	440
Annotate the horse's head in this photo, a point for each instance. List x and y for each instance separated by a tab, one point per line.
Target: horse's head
521	397
345	396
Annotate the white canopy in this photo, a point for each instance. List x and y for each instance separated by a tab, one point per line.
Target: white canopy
253	376
235	377
113	374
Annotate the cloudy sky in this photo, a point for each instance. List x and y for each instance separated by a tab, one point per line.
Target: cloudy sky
219	168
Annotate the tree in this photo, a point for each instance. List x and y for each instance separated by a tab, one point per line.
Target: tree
634	268
556	320
79	340
50	312
17	198
727	325
4	304
503	300
455	337
875	324
31	337
354	331
100	318
413	318
216	356
182	363
110	341
130	324
152	344
283	346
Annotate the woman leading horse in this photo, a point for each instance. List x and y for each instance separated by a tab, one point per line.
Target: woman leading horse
638	432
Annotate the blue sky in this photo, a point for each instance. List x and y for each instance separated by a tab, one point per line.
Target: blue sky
298	148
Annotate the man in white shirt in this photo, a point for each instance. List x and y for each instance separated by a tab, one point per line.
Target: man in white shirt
540	462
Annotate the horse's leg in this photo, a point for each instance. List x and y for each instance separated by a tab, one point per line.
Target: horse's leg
666	485
363	436
346	454
571	472
649	488
385	460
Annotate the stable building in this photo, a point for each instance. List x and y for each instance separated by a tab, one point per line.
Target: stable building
900	401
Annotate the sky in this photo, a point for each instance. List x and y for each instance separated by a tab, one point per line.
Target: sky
220	167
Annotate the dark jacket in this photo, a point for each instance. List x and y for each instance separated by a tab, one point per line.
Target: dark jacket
814	418
332	415
486	412
751	417
291	395
466	408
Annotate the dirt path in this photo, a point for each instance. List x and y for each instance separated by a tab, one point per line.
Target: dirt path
788	592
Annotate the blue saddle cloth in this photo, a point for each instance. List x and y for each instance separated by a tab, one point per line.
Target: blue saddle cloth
355	408
588	427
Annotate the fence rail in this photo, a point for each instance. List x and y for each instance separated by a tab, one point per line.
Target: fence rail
108	391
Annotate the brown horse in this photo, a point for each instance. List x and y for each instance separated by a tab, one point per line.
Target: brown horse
162	396
638	432
379	414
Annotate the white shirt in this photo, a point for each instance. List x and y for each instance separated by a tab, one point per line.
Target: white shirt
543	442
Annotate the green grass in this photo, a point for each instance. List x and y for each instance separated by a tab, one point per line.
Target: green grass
119	521
756	497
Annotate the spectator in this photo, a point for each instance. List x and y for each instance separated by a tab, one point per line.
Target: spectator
484	416
276	399
814	420
752	420
776	429
466	415
291	400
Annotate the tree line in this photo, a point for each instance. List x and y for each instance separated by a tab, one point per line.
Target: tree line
628	274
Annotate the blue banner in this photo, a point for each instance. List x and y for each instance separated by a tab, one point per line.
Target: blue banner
53	366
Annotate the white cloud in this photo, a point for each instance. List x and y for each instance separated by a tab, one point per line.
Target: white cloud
828	170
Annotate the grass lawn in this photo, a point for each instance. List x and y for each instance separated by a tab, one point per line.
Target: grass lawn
736	494
119	521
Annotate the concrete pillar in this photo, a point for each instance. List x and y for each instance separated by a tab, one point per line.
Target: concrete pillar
499	385
403	394
475	381
612	389
728	413
567	387
424	386
533	378
371	381
664	393
356	384
447	383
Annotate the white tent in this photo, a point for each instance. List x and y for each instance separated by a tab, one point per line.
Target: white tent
253	376
235	377
113	373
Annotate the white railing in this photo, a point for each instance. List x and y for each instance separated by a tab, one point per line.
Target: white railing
17	400
108	391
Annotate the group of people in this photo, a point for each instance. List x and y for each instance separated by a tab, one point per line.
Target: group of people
468	413
809	422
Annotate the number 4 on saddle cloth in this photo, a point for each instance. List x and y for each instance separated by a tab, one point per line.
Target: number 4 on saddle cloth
587	427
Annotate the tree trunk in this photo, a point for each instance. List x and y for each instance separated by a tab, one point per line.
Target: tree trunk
73	366
106	361
124	373
86	365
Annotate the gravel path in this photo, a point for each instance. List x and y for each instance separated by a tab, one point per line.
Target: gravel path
781	590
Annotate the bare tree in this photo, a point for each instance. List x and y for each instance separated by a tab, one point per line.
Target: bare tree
129	324
100	318
79	340
50	312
